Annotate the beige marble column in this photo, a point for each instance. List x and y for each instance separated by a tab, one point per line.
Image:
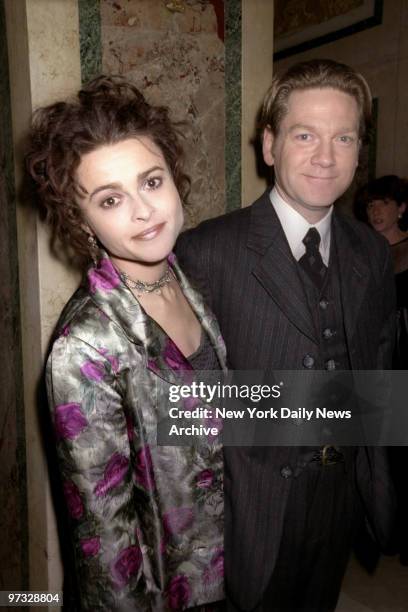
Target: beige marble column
44	64
257	60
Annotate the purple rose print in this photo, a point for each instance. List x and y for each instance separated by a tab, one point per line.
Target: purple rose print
189	403
144	469
171	258
177	520
174	358
215	422
113	360
90	546
104	277
73	499
205	479
69	421
65	331
217	562
151	364
178	592
215	570
126	565
93	370
114	473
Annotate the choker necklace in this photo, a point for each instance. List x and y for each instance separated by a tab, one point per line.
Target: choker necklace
141	287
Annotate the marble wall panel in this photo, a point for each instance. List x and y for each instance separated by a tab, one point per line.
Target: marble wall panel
176	57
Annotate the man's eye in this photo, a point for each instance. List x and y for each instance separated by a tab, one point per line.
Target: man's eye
110	202
304	137
153	183
346	139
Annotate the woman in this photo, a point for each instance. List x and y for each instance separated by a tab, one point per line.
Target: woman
146	520
383	204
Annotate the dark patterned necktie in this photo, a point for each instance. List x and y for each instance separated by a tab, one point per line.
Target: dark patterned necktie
312	261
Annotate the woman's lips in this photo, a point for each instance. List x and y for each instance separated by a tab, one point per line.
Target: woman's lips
150	233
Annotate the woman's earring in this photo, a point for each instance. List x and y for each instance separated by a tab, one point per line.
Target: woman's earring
93	247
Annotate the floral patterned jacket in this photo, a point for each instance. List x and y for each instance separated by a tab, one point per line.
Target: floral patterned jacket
147	520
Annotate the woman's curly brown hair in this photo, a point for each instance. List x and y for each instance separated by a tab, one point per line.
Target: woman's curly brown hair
107	110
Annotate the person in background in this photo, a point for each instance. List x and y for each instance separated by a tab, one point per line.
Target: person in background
146	520
297	286
383	204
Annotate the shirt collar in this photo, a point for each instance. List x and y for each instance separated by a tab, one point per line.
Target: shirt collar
295	227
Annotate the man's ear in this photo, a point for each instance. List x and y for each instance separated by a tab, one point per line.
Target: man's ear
267	144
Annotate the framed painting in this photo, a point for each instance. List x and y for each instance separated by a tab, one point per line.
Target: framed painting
303	24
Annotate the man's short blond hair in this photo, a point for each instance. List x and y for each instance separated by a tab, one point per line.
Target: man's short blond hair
315	74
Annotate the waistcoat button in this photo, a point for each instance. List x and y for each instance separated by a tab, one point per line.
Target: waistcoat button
308	361
286	471
323	303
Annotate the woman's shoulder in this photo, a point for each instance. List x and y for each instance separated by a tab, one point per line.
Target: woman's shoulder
83	322
88	345
77	313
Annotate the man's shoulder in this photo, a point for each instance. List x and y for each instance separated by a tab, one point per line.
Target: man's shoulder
361	233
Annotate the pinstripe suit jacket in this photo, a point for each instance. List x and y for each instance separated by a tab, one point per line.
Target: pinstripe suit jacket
243	266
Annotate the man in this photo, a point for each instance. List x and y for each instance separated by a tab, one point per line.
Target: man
296	286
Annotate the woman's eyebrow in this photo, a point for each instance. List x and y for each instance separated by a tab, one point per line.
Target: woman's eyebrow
140	177
103	187
146	173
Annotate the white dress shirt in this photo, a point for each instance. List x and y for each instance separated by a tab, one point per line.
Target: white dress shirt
296	227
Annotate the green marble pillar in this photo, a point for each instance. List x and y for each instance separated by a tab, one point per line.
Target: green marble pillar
90	39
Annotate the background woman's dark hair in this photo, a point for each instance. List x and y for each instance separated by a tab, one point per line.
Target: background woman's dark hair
388	187
107	110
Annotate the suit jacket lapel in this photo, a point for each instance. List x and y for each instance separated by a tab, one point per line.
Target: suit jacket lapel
354	272
276	269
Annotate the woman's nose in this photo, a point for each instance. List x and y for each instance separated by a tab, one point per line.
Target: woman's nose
375	206
142	209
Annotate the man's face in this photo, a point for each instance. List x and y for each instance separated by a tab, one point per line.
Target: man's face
315	153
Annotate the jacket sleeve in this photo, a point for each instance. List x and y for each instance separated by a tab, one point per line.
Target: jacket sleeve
93	449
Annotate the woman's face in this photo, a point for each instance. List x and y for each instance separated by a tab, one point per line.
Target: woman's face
130	201
383	214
